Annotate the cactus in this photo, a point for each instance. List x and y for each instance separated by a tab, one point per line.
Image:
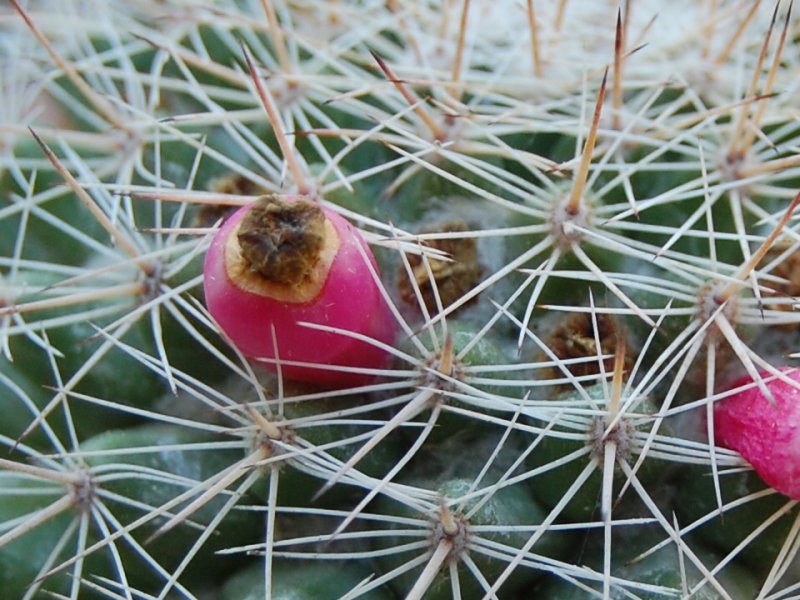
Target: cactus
582	220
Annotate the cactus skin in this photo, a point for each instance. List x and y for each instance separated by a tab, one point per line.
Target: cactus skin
582	217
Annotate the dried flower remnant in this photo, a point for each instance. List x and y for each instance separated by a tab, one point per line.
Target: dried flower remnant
577	336
782	295
233	184
452	278
283	240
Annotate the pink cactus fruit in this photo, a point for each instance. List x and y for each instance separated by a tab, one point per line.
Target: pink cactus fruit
285	261
765	433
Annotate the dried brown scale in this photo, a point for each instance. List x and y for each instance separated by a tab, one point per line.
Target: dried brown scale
788	270
211	214
453	278
575	337
282	240
234	184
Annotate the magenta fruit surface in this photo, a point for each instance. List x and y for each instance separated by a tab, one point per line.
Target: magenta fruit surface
766	434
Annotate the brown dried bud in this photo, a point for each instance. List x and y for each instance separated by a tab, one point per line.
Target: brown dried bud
575	337
452	279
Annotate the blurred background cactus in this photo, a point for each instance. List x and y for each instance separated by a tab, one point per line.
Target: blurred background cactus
583	217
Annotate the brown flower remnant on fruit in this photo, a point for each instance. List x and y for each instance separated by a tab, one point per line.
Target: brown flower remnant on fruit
452	278
281	248
785	293
234	184
282	240
575	338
